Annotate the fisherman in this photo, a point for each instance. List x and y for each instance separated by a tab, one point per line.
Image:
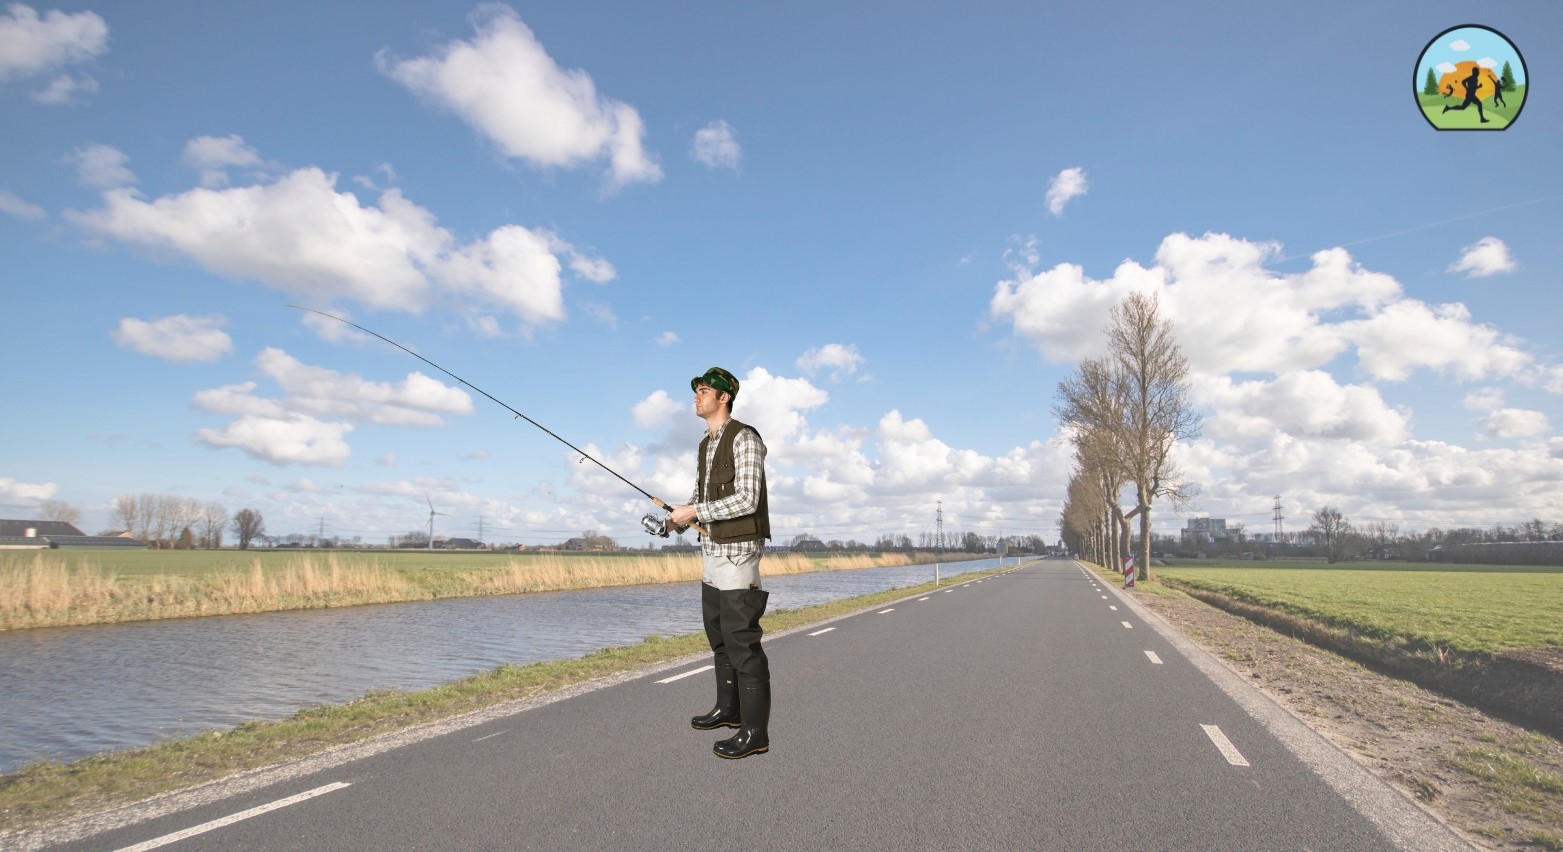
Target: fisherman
729	500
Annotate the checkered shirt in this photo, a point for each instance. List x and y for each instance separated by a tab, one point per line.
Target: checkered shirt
749	464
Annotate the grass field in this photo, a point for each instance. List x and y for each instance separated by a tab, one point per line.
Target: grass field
73	587
1497	117
1472	609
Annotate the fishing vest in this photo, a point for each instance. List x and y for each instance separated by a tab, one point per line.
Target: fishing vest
724	472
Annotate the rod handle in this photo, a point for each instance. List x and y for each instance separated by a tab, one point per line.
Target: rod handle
696	527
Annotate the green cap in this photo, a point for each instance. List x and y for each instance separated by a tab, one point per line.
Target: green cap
717	378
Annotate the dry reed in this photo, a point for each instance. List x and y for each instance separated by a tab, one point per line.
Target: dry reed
41	590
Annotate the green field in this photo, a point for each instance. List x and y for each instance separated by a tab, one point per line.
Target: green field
1498	117
1467	608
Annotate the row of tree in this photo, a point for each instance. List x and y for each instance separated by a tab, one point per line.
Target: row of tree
1123	413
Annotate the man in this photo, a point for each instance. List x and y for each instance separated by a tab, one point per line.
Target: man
729	501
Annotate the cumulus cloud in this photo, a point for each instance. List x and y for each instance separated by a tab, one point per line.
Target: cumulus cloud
212	156
1486	257
65	88
667	338
101	166
657	410
319	406
1516	423
716	145
1459	45
840	360
1066	185
33	45
15	206
175	338
13	492
1446	68
301	235
1231	314
504	84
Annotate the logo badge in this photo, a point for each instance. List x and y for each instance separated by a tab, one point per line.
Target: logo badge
1470	77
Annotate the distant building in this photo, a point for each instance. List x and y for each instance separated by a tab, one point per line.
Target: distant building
460	544
1204	531
39	535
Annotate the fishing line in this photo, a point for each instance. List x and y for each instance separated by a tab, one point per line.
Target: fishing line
1416	228
649	522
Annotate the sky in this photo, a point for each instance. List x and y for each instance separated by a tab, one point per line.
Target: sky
899	224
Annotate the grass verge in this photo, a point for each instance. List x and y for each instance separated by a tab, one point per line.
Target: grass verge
45	791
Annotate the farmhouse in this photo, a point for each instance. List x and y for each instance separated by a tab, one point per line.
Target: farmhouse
41	535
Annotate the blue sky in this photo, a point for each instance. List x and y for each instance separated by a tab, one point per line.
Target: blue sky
899	224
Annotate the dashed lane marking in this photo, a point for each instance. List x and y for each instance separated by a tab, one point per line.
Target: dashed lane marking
818	632
1126	625
1113	608
502	733
1155	659
686	674
230	820
1224	745
920	600
883	611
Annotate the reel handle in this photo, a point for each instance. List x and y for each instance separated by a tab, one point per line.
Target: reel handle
696	527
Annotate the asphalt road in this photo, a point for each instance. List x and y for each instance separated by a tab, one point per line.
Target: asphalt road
1037	710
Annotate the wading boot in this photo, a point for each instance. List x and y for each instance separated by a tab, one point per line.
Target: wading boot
725	713
754	701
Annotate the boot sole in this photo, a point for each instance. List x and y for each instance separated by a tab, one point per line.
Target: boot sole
714	727
761	750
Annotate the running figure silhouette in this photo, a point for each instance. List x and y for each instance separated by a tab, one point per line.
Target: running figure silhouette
1471	84
1497	92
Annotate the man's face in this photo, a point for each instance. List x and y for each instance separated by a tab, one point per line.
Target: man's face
708	400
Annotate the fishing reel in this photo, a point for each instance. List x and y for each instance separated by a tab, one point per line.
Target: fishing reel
655	524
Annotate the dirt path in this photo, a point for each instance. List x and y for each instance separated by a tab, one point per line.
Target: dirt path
1499	785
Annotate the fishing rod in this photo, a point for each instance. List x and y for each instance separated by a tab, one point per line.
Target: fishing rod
651	523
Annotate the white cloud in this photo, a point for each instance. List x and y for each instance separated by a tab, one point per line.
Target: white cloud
13	492
602	313
1487	62
1484	399
300	235
101	166
1487	256
1307	403
1460	45
841	360
667	338
64	89
504	84
291	430
15	206
293	439
387	460
1067	184
176	338
212	156
658	410
1516	423
1446	68
716	145
1233	315
31	44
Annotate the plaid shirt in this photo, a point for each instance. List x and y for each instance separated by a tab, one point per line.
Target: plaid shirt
749	461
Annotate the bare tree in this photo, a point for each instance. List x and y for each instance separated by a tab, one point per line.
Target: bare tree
248	525
59	510
214	518
1158	411
127	511
1090	402
1332	529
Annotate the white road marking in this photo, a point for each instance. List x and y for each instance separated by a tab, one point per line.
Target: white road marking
947	591
1113	608
1228	750
1155	659
1127	625
1104	597
686	674
230	820
920	600
883	611
502	733
818	632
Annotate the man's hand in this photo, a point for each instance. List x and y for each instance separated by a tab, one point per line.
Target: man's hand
683	516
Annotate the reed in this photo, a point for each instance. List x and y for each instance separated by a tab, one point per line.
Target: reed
47	589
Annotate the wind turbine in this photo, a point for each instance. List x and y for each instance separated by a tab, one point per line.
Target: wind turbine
432	513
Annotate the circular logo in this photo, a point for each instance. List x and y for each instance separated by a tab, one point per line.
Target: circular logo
1470	77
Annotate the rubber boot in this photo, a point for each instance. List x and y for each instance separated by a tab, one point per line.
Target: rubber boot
725	713
754	701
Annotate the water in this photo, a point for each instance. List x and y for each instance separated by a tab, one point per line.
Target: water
70	692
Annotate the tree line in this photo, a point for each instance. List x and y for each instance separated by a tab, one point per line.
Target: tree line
1123	413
